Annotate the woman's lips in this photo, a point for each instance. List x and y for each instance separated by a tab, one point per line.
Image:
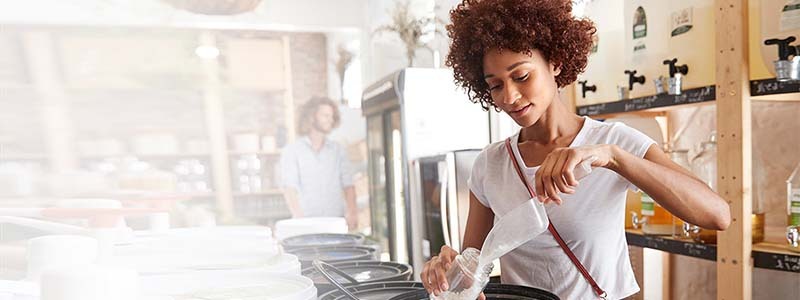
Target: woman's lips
521	111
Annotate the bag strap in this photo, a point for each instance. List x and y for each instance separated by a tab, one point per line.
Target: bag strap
553	230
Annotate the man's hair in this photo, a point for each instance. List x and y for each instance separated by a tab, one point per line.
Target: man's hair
309	110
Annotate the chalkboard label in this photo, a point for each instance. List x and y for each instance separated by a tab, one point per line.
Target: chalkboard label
696	95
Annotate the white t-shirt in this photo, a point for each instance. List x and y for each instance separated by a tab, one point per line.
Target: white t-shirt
591	221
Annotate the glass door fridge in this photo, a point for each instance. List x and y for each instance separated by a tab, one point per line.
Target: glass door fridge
412	113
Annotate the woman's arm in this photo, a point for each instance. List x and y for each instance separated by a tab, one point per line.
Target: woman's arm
668	183
479	222
673	187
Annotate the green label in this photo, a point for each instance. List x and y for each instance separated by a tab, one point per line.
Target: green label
794	208
639	23
681	30
648	205
682	21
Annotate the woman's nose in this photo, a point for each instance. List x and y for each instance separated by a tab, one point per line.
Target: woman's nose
511	94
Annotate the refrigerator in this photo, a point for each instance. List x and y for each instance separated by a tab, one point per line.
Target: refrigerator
441	201
412	114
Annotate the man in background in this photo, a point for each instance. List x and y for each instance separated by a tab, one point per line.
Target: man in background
317	178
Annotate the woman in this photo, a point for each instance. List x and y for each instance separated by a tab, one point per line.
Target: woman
514	55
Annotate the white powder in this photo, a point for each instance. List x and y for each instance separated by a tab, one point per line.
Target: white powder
515	228
466	294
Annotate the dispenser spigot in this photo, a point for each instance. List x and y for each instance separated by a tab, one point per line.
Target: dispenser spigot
674	69
632	78
785	68
587	88
676	72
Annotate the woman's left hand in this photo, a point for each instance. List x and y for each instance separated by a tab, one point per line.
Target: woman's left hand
556	173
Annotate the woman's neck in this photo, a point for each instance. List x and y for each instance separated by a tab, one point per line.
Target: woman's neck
555	124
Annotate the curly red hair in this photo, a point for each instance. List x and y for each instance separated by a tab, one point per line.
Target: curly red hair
520	26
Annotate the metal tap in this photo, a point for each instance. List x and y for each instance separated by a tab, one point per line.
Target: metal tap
786	69
632	78
585	88
676	73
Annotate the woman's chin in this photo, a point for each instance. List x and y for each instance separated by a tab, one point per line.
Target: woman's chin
526	120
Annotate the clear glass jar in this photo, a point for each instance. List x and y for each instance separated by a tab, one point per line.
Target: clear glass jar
464	279
681	158
793	198
704	165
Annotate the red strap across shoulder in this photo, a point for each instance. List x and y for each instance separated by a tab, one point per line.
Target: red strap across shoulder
553	230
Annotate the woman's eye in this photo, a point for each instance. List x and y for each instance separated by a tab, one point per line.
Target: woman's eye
494	87
523	77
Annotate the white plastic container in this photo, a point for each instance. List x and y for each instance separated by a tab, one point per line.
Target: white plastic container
235	284
299	226
59	251
90	282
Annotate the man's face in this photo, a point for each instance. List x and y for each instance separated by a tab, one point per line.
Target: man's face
323	119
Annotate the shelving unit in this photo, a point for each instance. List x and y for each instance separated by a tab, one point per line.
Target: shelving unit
650	104
734	255
765	255
59	71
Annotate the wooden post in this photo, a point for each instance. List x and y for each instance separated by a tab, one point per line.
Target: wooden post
288	96
734	266
58	130
215	121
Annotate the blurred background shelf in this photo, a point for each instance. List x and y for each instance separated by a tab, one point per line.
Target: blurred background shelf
650	104
766	255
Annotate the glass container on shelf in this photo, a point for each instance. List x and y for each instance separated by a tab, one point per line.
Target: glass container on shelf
680	157
656	220
633	207
793	197
704	165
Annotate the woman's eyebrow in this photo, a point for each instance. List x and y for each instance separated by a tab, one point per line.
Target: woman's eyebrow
511	67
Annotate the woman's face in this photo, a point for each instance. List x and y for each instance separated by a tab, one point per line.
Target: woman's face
522	85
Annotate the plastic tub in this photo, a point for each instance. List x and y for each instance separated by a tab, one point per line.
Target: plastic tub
233	284
333	254
376	291
492	291
293	227
322	239
359	272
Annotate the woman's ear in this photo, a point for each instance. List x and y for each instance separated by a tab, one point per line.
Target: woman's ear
556	69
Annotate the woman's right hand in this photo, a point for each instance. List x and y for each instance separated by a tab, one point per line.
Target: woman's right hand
433	274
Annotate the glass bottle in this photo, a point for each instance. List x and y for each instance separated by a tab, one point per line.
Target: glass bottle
793	197
657	220
465	278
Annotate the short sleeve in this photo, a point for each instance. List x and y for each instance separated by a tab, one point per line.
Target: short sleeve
633	141
477	178
345	168
290	175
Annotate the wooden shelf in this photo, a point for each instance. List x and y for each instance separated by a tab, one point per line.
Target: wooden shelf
259	153
765	255
650	104
773	90
270	192
148	156
18	157
668	244
776	257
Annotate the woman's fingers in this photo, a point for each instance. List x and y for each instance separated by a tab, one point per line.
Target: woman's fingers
424	275
557	175
441	280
